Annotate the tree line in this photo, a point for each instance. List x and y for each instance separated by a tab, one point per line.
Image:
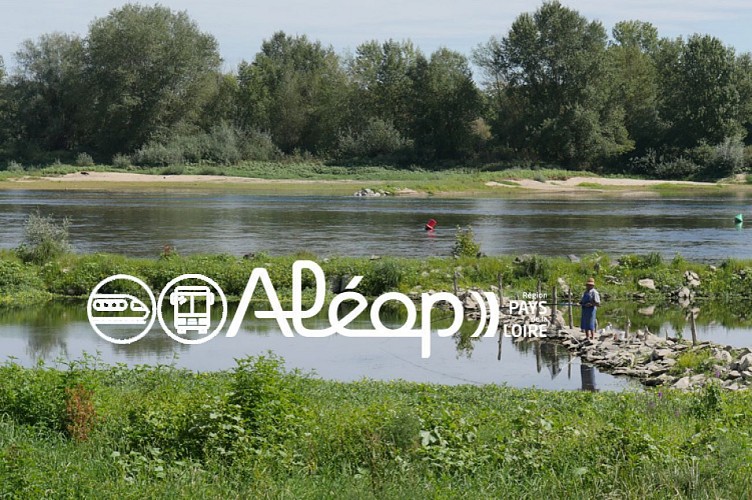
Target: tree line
145	87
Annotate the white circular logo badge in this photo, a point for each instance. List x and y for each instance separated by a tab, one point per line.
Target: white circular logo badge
120	311
193	309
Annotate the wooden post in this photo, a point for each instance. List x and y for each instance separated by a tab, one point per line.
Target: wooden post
537	303
694	327
626	333
553	307
569	306
501	293
456	288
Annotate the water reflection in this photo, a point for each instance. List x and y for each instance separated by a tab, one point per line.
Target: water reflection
587	373
62	331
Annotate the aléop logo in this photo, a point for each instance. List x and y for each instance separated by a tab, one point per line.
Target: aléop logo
122	309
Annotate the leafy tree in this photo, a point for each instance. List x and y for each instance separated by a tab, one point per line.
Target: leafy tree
50	94
151	69
223	104
699	95
294	88
381	75
551	70
4	121
744	86
445	103
635	84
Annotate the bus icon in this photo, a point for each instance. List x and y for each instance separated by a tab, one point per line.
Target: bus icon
192	306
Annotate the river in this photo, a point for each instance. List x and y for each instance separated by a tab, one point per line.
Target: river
140	224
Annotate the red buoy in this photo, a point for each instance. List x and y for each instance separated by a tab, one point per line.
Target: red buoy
431	225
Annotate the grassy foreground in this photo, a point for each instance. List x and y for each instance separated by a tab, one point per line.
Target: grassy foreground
259	431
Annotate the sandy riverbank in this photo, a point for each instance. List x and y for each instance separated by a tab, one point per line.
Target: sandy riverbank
97	180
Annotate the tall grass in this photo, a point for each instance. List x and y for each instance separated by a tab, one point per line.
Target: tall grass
261	431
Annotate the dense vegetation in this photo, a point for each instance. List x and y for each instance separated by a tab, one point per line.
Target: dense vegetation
115	432
73	275
144	87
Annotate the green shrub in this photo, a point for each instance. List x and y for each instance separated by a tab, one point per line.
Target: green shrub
15	277
653	259
694	362
678	168
84	160
121	161
14	166
465	244
222	145
154	154
258	146
728	157
33	396
173	170
191	424
44	239
378	138
533	266
384	276
265	394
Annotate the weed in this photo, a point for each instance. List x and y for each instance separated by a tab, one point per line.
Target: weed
44	239
80	412
465	244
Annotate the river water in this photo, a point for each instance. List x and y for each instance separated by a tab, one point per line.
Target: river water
140	224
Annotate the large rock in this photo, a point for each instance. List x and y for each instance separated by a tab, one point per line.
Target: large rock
647	283
745	362
691	279
683	384
733	374
723	356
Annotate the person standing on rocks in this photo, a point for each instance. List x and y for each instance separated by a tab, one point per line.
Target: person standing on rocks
590	301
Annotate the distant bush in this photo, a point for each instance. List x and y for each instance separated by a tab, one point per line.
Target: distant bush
154	154
173	170
14	166
222	145
84	160
728	157
44	239
679	168
378	138
256	145
121	161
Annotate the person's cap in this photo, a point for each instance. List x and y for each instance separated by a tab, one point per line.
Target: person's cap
590	281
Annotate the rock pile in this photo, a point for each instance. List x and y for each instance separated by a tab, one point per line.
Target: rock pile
653	360
370	193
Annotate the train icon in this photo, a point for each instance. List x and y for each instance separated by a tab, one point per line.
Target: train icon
119	303
192	309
